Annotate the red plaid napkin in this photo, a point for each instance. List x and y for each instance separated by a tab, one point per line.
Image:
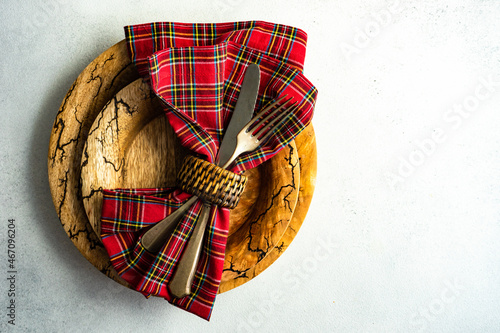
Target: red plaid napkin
197	71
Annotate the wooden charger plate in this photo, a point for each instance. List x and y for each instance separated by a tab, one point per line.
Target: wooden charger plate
93	89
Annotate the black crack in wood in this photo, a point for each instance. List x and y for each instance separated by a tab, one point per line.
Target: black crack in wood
100	116
61	147
74	234
292	166
95	242
101	140
113	165
280	248
111	57
92	192
58	127
280	221
290	187
94	77
121	103
85	158
65	101
268	243
63	182
59	124
116	106
241	274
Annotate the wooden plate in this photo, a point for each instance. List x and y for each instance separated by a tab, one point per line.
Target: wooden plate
96	85
131	145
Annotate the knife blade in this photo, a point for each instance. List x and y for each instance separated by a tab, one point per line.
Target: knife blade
242	112
180	284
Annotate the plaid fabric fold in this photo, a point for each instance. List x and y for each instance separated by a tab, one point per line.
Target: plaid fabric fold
196	70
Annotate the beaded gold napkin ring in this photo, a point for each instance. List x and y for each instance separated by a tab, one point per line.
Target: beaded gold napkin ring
210	182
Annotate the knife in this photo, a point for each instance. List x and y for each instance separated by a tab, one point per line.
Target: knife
242	112
180	284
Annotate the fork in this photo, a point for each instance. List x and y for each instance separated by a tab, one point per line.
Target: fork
257	131
154	239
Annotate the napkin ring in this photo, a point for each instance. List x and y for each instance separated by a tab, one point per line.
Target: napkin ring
210	182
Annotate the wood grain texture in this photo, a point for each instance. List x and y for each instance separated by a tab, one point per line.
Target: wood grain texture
125	150
117	136
96	86
100	80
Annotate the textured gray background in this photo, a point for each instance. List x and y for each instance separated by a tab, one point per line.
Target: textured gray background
402	234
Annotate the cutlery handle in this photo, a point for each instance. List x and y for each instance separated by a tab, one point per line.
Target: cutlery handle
180	284
238	150
154	238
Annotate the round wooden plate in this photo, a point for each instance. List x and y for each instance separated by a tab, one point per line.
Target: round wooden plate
101	80
131	145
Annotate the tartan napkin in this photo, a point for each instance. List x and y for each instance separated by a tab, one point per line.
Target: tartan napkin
197	70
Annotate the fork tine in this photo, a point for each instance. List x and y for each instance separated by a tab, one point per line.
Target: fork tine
263	121
282	120
268	125
263	111
273	104
277	118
